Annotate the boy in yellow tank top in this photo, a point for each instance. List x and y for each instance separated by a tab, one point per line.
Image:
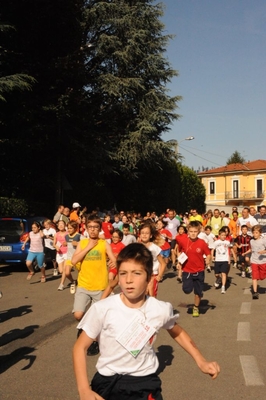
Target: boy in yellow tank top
90	259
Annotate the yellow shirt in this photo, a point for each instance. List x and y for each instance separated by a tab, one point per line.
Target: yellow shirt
196	218
93	273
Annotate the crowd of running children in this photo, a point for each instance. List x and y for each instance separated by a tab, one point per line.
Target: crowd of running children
172	239
134	251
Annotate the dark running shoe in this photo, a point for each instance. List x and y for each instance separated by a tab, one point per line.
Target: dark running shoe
93	350
255	296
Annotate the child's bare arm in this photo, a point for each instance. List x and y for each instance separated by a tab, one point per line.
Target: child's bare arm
81	253
111	256
112	284
80	368
162	267
185	341
27	239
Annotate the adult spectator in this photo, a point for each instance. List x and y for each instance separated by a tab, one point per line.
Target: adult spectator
261	218
234	208
233	225
252	211
65	216
58	214
246	219
195	216
216	222
76	214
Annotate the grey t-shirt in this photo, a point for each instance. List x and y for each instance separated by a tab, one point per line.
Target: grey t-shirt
256	246
261	221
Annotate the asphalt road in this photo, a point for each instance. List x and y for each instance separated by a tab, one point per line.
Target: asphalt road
38	331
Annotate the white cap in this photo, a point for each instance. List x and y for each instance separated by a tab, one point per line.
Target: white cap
76	205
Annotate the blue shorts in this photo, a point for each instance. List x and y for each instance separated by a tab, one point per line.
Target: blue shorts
38	256
165	253
193	282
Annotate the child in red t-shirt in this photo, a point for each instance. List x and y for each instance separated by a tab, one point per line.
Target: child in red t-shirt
107	228
116	247
193	250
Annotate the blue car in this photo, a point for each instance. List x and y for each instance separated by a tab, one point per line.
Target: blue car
13	233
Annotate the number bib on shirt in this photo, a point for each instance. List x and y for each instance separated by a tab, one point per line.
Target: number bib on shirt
135	336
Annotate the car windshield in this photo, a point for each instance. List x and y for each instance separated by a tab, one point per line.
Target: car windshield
11	227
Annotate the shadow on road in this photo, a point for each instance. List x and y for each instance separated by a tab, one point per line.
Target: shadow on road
11	359
165	357
15	334
205	305
15	312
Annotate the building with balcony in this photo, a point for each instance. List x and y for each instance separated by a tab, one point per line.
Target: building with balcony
235	185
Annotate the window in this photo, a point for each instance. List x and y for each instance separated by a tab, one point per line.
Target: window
235	190
259	188
212	187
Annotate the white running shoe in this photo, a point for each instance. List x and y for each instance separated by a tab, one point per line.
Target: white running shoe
73	288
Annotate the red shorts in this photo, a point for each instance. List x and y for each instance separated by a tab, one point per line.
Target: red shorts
258	271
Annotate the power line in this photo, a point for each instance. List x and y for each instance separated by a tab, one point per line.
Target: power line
207	152
205	159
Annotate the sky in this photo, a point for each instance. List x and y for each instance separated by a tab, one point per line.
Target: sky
219	51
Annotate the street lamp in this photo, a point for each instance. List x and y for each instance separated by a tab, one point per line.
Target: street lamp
176	143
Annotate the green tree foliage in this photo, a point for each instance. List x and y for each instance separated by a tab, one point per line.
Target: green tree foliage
127	77
98	108
192	194
235	158
16	81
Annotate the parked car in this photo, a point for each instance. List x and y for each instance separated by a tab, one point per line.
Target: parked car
13	233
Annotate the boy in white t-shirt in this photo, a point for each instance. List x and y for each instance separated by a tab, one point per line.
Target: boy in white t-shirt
210	238
49	250
222	258
126	325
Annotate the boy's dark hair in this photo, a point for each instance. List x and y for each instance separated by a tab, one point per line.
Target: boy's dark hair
94	218
208	227
182	226
127	226
138	253
120	233
74	225
244	226
222	230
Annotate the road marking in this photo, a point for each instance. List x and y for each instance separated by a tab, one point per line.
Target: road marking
247	291
243	331
245	308
251	371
